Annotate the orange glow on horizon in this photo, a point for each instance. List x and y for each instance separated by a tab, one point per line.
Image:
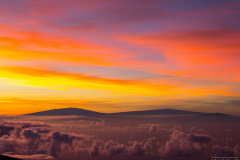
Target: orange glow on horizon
83	51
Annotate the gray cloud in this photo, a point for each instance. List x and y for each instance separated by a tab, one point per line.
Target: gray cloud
182	144
141	148
113	148
153	128
226	151
94	149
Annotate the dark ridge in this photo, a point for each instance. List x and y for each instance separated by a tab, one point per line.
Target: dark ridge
66	112
2	157
84	112
215	115
158	112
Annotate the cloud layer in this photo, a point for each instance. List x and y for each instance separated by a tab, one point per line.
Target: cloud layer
37	139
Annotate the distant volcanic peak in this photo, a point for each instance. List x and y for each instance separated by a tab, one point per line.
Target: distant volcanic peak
65	112
157	112
84	112
215	115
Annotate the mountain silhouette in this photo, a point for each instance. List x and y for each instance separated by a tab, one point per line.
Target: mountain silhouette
66	112
84	112
158	112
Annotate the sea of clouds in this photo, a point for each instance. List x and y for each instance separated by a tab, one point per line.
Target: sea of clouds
67	140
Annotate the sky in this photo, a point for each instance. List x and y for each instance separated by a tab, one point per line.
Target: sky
119	55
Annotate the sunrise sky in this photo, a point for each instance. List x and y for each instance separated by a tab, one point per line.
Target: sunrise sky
119	55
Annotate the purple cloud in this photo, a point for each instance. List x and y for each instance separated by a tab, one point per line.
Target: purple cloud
182	144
